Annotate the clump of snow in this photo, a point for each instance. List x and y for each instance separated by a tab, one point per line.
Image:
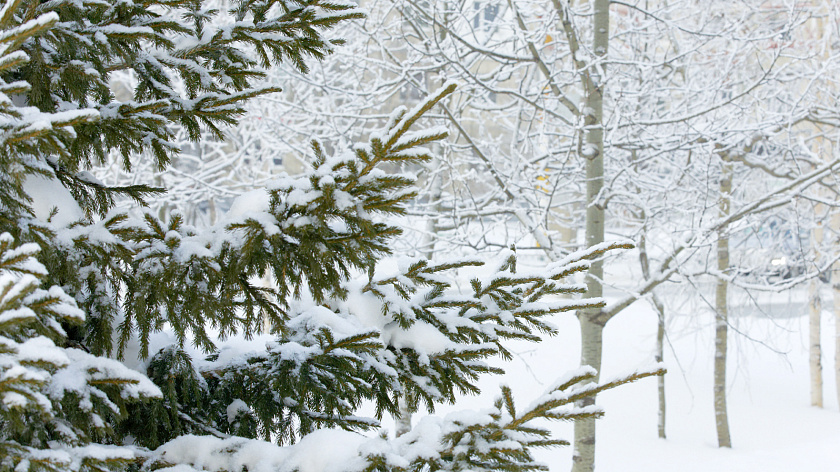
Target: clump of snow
235	349
84	369
248	203
421	337
323	450
328	450
42	350
236	407
48	195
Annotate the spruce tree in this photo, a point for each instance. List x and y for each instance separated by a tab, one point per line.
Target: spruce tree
347	326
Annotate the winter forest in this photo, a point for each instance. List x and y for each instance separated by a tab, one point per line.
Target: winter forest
419	235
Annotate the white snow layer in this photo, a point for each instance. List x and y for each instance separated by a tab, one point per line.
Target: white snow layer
49	195
324	450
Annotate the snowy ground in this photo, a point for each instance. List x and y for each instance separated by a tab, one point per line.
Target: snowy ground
773	427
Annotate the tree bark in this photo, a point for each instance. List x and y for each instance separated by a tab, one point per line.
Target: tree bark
591	327
404	419
814	346
721	312
835	285
814	328
591	348
660	357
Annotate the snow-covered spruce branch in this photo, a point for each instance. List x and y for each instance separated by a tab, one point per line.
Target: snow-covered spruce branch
404	332
498	438
460	329
568	390
77	397
329	214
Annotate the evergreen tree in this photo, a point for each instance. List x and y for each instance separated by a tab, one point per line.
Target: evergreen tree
347	328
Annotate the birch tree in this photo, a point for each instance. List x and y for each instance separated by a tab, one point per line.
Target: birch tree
722	310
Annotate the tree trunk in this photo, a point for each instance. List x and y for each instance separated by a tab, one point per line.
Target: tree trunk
403	420
659	354
814	346
721	312
835	285
592	328
591	348
814	328
660	357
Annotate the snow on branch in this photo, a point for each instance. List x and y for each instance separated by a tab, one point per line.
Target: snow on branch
497	438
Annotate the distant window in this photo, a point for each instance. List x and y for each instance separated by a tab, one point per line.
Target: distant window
485	15
490	13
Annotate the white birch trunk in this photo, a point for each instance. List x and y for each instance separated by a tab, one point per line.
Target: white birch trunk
835	285
404	419
837	340
660	357
814	328
591	327
814	345
722	314
591	347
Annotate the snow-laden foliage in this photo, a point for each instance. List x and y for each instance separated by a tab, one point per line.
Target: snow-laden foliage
58	404
498	438
186	70
408	334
